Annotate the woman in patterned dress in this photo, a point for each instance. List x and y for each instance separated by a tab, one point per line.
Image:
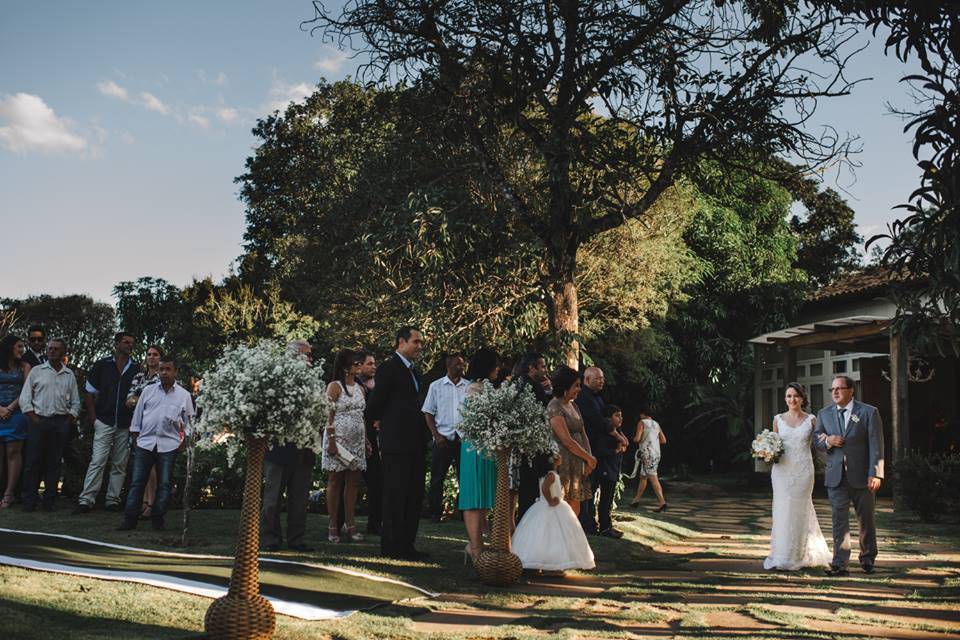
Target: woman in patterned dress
345	444
649	437
576	460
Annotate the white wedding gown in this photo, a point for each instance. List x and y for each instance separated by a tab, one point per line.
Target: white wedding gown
551	538
796	540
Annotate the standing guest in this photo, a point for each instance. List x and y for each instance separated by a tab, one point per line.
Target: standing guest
532	373
576	461
13	424
108	385
649	437
289	467
373	476
478	472
36	353
51	400
344	445
606	444
160	424
441	410
150	374
403	439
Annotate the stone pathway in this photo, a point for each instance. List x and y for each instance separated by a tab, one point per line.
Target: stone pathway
709	583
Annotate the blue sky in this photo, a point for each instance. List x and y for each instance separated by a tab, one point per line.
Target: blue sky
122	126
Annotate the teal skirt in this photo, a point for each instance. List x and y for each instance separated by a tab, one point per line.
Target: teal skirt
478	479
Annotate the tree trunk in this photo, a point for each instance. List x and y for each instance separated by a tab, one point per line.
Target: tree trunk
566	321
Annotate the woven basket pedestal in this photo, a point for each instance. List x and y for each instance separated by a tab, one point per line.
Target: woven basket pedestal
498	565
243	613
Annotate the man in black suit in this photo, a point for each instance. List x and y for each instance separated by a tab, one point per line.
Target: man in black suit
396	404
532	373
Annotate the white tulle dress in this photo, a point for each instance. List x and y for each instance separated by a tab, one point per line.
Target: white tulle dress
796	540
551	538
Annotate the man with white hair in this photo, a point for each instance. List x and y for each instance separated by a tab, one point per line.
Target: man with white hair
289	467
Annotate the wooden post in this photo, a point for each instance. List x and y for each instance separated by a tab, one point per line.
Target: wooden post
789	365
899	408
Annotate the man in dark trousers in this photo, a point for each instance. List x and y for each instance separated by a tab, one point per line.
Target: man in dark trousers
606	444
533	371
403	442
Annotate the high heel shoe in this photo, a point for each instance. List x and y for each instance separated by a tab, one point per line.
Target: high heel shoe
662	507
333	534
351	533
635	504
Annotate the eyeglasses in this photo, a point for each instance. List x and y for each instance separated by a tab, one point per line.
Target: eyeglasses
832	389
36	339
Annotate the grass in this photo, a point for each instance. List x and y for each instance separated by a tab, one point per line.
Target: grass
620	599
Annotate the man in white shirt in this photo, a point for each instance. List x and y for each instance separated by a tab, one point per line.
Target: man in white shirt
161	422
441	410
51	399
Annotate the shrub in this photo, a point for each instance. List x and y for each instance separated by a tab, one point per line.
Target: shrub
930	484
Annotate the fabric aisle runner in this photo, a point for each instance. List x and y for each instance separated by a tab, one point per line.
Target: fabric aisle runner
307	591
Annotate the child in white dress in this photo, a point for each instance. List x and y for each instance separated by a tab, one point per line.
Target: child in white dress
549	536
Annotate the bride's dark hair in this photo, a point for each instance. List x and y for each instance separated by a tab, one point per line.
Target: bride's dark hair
796	386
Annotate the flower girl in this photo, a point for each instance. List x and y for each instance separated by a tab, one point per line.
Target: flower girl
549	536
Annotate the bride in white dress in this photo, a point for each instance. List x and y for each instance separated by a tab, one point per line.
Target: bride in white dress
796	540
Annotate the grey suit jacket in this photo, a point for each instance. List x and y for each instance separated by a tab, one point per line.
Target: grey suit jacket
862	451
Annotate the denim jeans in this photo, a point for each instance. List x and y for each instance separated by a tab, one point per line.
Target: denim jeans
143	461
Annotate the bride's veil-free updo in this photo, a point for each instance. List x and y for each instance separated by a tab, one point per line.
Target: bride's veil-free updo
796	386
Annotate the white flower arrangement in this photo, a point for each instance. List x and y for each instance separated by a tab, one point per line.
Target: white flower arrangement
510	417
767	446
264	391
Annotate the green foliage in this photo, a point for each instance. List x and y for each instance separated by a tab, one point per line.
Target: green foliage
930	484
152	309
86	325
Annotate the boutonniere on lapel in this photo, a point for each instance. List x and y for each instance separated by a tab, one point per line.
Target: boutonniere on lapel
855	419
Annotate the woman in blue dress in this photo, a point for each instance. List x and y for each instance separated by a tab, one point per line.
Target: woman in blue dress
13	424
478	473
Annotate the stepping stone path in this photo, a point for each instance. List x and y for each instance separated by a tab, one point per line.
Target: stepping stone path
708	582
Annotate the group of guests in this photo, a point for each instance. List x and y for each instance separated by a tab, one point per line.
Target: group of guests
130	409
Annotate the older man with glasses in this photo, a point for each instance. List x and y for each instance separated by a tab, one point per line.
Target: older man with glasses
851	433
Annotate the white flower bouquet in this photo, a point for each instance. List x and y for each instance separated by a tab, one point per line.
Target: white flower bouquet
767	446
510	417
263	391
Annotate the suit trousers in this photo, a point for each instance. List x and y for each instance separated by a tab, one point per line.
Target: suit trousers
44	451
440	461
373	477
110	444
295	478
403	475
863	504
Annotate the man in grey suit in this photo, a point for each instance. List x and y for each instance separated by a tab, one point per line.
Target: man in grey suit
851	433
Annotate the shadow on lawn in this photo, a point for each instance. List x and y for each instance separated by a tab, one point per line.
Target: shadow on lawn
36	622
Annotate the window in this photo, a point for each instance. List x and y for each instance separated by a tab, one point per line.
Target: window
816	397
816	370
766	375
779	373
766	408
840	366
856	365
802	371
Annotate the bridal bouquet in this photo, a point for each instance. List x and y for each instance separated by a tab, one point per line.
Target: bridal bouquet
767	446
510	417
264	391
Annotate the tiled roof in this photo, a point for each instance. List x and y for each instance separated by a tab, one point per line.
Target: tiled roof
871	279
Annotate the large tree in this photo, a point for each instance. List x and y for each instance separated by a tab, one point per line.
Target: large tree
615	99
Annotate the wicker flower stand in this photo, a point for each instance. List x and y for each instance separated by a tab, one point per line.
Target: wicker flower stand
243	613
498	565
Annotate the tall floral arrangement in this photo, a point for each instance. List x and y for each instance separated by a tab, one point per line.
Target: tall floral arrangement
510	417
263	391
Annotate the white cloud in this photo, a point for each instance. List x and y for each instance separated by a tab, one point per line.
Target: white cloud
127	138
153	103
113	90
221	79
331	63
283	93
228	114
33	126
199	120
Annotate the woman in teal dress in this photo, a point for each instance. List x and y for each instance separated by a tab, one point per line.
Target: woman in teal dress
478	473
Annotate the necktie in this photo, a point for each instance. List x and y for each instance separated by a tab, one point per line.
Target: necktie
843	422
416	385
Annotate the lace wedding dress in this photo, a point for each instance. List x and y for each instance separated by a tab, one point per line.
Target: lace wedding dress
796	540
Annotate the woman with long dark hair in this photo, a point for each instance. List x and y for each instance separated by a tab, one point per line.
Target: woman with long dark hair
478	472
13	424
345	445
